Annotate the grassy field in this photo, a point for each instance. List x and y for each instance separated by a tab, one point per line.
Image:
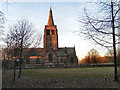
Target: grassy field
92	77
91	72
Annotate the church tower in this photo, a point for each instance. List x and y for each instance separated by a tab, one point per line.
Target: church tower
50	34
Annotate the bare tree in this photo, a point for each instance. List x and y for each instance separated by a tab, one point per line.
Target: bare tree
1	20
92	57
86	60
22	35
102	29
2	23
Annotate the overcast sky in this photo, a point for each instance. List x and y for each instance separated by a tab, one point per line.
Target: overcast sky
65	15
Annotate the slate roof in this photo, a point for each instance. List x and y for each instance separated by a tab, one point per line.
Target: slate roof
65	51
33	51
59	52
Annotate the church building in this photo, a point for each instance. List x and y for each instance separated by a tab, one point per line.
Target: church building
51	55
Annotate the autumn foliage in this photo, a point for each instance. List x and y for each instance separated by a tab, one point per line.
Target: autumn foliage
93	57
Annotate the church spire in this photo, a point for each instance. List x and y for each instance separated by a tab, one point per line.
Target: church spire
50	20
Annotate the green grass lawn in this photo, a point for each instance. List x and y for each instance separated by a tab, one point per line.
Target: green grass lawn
91	72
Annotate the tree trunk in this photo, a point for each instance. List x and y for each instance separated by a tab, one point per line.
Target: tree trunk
21	50
14	72
20	69
114	46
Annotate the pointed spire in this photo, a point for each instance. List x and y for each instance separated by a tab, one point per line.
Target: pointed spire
50	20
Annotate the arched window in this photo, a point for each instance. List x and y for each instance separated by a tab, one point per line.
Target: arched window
72	60
50	57
48	32
27	61
37	61
53	32
61	60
